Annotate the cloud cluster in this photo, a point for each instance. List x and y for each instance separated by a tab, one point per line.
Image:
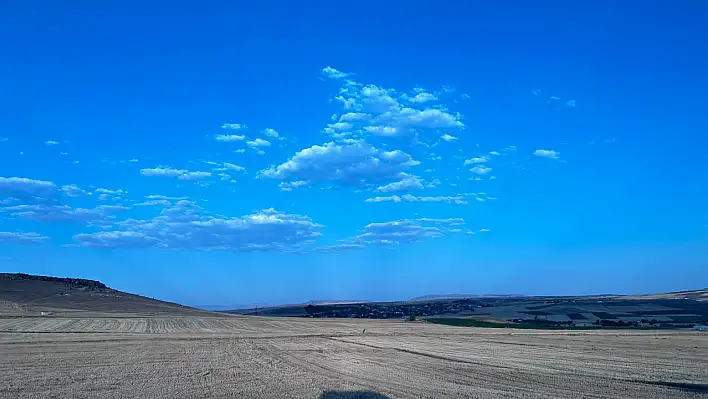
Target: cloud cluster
184	226
458	199
354	164
181	174
22	187
63	213
380	111
22	238
405	231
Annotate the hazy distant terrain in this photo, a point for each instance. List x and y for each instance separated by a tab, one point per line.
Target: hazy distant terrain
113	348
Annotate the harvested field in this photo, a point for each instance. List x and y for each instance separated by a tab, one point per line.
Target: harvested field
104	356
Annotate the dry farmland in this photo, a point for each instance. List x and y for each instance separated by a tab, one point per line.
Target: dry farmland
109	356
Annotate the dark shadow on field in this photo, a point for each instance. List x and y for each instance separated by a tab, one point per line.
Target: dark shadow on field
352	395
684	386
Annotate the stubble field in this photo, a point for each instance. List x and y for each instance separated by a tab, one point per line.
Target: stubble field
106	356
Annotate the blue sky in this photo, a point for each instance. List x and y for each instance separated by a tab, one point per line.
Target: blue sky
269	153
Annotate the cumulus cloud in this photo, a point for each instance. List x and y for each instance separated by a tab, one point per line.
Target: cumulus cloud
406	184
495	153
353	164
184	227
570	103
259	142
229	137
382	130
480	170
547	154
423	98
64	213
23	187
271	133
22	238
383	114
404	231
51	142
332	73
71	190
458	199
447	137
476	160
181	174
354	117
233	126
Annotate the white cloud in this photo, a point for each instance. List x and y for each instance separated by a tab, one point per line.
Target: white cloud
288	186
423	98
195	176
403	231
181	174
229	137
111	192
183	227
536	92
233	126
412	198
155	202
333	128
71	190
380	108
484	230
24	187
231	166
51	142
570	103
480	170
271	133
338	248
382	130
133	160
406	184
554	98
354	164
354	116
259	142
547	154
476	160
447	137
240	151
165	197
332	73
494	153
64	213
22	238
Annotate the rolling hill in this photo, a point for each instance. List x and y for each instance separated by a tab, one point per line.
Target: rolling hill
28	295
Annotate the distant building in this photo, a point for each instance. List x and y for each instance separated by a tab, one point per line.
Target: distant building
700	327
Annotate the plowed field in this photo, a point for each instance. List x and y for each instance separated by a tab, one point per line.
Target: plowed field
252	357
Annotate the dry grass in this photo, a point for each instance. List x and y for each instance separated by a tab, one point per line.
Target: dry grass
104	356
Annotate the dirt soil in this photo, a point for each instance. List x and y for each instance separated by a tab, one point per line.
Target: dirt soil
117	356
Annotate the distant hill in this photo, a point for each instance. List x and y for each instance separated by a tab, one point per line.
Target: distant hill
696	295
26	294
435	297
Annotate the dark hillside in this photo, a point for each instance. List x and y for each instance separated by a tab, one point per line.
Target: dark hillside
25	294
